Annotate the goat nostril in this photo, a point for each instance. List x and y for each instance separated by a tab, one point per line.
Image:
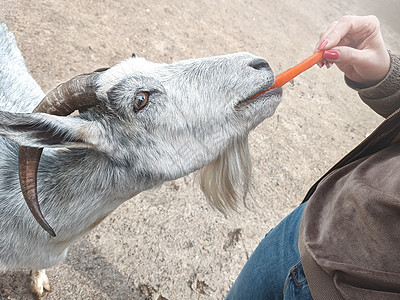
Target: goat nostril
259	64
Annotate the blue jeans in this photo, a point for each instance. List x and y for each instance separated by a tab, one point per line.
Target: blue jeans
274	270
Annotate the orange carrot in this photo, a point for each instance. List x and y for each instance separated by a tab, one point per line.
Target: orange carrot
291	73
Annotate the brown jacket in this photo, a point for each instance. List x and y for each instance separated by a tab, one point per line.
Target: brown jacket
349	237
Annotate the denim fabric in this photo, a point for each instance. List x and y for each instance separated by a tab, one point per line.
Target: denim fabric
296	286
274	270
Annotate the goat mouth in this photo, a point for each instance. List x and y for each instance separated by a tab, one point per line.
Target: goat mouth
262	94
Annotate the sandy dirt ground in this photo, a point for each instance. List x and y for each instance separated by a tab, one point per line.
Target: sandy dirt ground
169	243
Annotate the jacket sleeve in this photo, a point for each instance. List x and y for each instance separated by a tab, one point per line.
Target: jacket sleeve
384	97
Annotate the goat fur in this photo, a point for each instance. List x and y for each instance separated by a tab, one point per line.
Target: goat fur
192	122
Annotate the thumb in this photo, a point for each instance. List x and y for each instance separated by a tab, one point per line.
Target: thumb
366	65
344	55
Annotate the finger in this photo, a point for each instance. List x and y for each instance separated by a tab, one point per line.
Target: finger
345	55
346	41
350	25
322	37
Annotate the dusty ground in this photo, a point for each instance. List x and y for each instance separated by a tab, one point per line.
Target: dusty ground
168	243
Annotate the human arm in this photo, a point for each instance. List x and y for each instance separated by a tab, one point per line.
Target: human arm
384	97
356	46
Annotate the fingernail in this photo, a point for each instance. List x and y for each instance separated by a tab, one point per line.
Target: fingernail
322	45
331	54
328	65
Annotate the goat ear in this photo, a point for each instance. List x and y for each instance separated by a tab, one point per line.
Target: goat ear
46	131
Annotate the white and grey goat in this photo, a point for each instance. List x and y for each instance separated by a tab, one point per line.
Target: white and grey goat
140	124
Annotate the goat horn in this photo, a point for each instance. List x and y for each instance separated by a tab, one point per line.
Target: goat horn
77	93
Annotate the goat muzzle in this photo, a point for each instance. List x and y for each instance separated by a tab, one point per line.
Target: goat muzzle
76	94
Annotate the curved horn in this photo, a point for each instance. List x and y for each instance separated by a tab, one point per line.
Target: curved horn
77	93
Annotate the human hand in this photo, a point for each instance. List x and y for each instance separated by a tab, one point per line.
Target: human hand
356	46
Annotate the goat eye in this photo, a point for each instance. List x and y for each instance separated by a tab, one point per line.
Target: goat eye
141	100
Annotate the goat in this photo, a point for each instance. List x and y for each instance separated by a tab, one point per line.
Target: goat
140	124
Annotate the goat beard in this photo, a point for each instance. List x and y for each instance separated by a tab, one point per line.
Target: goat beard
227	179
